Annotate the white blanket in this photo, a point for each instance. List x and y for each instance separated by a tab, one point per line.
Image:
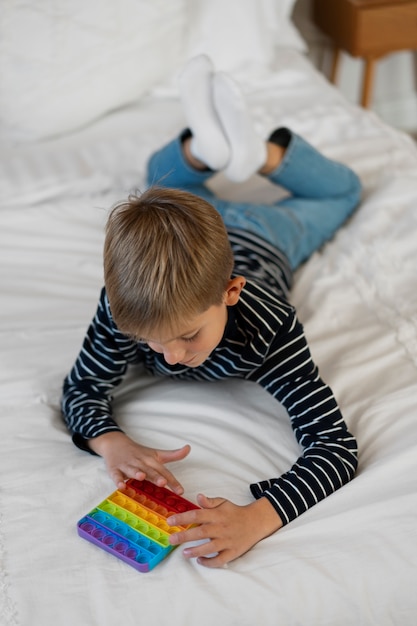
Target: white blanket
350	560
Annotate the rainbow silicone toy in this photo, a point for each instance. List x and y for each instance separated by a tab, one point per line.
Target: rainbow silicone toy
131	524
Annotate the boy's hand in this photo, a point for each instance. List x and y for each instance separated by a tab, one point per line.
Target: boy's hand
229	530
125	458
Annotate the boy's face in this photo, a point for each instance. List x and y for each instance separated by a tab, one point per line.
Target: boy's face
197	338
195	341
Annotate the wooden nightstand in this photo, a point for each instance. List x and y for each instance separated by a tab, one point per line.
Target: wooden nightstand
369	29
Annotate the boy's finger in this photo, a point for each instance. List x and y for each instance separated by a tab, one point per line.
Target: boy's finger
193	517
163	478
173	484
185	536
209	503
118	478
168	456
140	475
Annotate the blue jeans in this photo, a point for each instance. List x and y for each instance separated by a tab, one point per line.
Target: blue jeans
323	195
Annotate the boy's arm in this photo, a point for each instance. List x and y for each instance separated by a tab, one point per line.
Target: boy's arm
99	368
86	406
329	459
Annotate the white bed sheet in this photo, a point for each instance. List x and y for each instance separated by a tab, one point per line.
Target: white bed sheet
350	560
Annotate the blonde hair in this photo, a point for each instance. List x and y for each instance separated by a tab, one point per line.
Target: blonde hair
167	258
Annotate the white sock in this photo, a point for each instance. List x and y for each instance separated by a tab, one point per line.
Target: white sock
208	143
248	150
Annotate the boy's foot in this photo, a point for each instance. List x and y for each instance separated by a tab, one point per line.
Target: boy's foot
248	150
208	143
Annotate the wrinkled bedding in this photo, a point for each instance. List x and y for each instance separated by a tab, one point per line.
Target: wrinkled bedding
350	560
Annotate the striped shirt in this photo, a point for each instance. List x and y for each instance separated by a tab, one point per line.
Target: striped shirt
263	342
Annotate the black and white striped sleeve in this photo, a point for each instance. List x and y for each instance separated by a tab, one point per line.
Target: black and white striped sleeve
99	368
329	458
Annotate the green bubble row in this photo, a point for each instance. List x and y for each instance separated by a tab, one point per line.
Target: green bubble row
143	524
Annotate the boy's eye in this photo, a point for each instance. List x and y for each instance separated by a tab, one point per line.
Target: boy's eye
191	338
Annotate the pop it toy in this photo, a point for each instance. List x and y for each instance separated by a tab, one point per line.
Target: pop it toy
131	524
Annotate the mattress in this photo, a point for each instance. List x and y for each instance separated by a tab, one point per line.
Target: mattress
350	560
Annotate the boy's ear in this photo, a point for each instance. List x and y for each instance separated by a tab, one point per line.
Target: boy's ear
233	289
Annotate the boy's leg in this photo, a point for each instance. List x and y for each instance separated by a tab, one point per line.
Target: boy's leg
324	194
206	141
307	173
247	149
209	143
220	130
168	167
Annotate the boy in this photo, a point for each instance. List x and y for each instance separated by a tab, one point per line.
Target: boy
193	300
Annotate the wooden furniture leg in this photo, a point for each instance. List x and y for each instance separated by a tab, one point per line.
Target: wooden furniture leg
335	65
368	82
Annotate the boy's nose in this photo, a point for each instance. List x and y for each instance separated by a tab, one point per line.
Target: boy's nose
173	356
